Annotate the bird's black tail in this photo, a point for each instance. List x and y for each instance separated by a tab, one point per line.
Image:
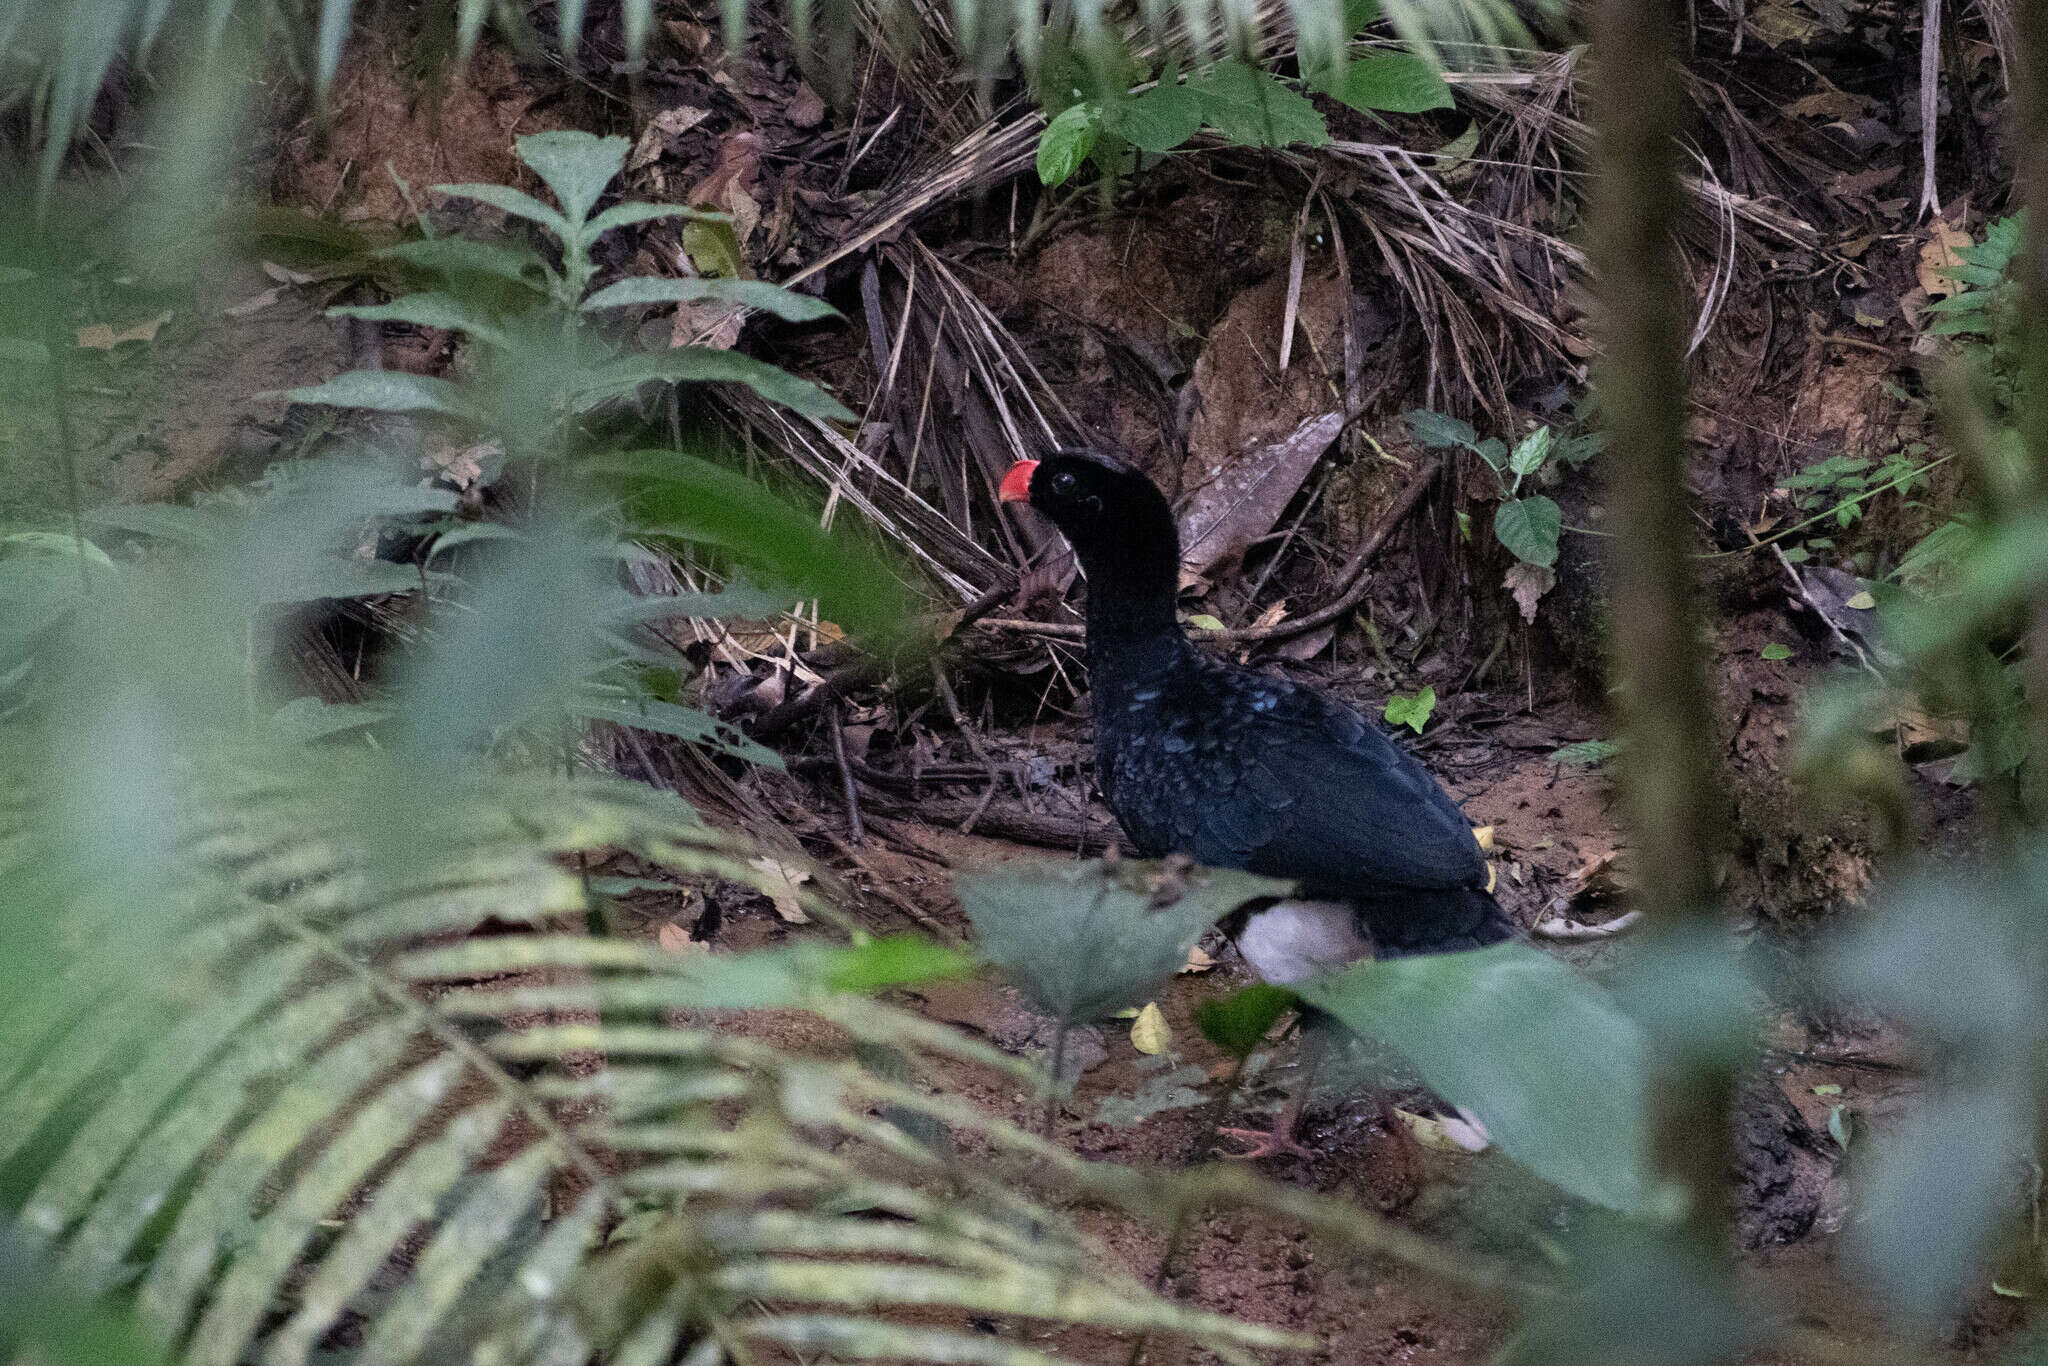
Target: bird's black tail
1433	920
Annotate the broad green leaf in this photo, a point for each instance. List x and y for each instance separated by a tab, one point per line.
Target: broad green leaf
1239	1022
1530	453
1439	431
1159	120
669	494
704	365
1066	142
1529	527
769	298
1395	83
384	391
515	202
1359	14
20	351
1547	1060
1775	651
625	215
1254	109
427	310
1412	711
1085	939
575	165
466	256
714	248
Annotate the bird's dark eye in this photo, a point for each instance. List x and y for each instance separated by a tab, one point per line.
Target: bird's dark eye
1063	482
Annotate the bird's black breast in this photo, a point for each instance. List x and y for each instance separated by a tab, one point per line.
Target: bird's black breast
1245	770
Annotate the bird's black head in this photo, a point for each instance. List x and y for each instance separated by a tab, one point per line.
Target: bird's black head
1118	522
1098	502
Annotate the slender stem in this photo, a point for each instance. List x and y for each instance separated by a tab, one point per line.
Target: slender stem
1668	762
1052	1080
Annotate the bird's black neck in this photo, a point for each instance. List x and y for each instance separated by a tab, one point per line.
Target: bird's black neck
1133	634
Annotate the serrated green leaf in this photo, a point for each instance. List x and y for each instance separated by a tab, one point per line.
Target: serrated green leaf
684	723
384	391
466	256
625	215
576	165
515	202
1084	940
1529	527
759	294
1546	1059
1066	142
1394	83
703	365
426	310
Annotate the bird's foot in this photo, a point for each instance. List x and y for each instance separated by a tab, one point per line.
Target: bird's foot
1264	1143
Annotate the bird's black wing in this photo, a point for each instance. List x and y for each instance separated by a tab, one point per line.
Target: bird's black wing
1253	772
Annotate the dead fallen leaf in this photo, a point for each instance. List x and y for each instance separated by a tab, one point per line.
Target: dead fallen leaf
675	939
661	131
460	466
1938	256
1528	583
1558	928
1150	1034
733	184
1244	499
285	275
103	337
780	881
1483	836
804	109
1198	960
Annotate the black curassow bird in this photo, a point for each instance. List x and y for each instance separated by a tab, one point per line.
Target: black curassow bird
1240	769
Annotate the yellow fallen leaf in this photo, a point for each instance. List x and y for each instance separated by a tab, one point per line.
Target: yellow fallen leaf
1198	960
1938	257
1149	1032
1492	878
1862	602
103	337
780	881
1205	622
1484	834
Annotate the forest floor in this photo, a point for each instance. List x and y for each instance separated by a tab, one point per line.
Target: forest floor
1152	327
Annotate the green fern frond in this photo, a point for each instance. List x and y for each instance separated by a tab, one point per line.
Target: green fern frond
317	1130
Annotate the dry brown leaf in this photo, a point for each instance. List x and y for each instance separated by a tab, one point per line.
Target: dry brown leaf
1938	255
780	881
1244	499
1528	583
662	130
285	275
103	337
675	939
733	184
255	303
804	109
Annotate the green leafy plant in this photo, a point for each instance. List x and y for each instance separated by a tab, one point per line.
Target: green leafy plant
1235	100
1412	711
1528	526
